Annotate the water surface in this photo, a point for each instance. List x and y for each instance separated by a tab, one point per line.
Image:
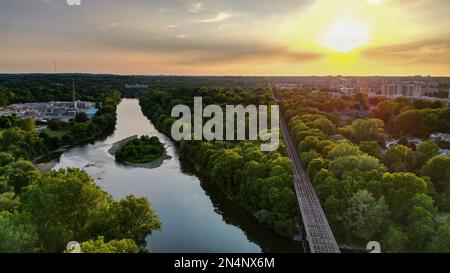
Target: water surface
196	216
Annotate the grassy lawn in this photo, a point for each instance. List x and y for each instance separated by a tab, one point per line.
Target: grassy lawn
58	134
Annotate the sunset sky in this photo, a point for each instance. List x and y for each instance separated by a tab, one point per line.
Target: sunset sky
227	37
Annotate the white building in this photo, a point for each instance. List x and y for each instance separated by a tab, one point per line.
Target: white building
440	137
349	91
410	89
289	86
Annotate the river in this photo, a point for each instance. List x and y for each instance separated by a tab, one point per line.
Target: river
196	217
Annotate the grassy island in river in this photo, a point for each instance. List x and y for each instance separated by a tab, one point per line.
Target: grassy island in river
141	150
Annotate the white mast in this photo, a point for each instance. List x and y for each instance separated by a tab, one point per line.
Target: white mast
448	101
73	93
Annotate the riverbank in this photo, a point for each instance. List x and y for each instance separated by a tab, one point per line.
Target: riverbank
47	166
116	146
149	165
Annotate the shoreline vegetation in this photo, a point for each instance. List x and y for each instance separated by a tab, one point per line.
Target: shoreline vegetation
144	152
33	200
261	183
48	165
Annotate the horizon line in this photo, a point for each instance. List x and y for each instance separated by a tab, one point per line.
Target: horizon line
216	75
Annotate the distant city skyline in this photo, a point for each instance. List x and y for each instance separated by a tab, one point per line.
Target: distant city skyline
226	37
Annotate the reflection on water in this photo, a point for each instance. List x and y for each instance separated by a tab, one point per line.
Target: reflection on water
196	217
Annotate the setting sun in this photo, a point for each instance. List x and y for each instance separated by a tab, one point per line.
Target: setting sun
346	35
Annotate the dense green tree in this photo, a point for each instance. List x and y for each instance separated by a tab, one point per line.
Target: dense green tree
371	148
399	189
21	144
438	170
350	164
6	122
441	242
316	165
344	149
17	233
429	148
387	109
395	240
9	202
421	227
66	205
422	123
4	184
26	124
425	201
325	125
114	246
307	157
365	130
130	218
57	124
4	96
399	158
5	159
81	131
316	144
81	117
334	207
62	204
226	165
21	174
364	217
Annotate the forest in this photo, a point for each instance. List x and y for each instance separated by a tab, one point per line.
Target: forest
20	88
397	195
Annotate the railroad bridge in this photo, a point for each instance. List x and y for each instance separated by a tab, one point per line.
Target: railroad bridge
317	234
